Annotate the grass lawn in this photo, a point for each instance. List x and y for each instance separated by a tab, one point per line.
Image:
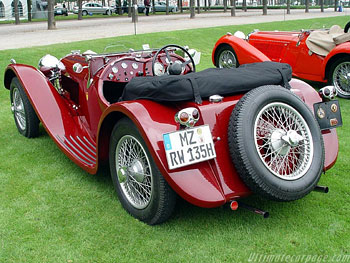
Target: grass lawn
53	211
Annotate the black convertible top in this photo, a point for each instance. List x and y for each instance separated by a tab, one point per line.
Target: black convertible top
198	85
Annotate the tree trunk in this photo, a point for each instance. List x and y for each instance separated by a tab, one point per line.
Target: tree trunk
244	5
80	6
335	5
322	6
29	5
15	2
288	7
192	9
134	17
129	8
233	7
51	24
153	9
225	6
307	6
264	7
198	7
104	2
205	5
167	7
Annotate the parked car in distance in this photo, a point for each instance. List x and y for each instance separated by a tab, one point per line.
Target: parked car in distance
158	7
60	11
93	8
321	55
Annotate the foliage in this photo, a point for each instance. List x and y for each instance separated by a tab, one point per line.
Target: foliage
52	211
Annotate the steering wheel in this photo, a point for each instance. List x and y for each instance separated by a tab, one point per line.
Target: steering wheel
346	28
173	68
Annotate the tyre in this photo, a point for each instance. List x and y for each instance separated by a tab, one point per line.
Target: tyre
25	117
84	13
226	57
276	144
339	76
140	187
108	12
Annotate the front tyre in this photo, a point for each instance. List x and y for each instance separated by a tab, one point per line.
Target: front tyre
25	117
226	57
276	144
339	76
140	187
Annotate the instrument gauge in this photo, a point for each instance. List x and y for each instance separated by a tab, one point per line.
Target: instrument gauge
124	65
115	70
135	65
158	69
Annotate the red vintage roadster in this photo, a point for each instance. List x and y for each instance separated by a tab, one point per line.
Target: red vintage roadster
315	55
210	137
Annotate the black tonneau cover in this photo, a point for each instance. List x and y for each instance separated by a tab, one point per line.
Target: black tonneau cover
199	85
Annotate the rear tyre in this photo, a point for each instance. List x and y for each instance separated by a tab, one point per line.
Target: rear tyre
140	187
84	13
346	28
226	57
25	117
108	12
339	77
276	144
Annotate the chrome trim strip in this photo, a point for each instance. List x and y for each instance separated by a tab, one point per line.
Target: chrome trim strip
81	148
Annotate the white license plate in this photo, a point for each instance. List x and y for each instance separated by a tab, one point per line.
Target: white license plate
189	146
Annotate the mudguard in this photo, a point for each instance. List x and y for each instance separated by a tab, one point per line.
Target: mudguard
342	49
245	52
59	121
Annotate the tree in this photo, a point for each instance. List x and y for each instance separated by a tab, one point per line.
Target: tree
167	7
264	7
322	6
181	8
233	7
129	8
288	7
29	4
225	6
192	9
16	12
198	7
244	5
153	9
205	5
51	24
134	17
80	7
335	5
307	6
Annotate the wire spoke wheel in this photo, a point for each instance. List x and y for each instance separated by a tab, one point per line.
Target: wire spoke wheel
18	109
134	171
341	78
227	59
283	141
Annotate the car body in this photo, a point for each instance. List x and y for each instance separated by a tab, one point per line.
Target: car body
58	11
93	8
158	7
130	109
332	67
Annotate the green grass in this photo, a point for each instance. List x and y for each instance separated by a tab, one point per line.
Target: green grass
52	211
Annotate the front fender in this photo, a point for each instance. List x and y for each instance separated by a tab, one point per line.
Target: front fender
245	52
196	183
336	52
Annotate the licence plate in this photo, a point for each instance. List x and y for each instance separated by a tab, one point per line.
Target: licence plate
189	146
328	114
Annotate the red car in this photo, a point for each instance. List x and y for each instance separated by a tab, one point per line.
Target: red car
210	137
315	55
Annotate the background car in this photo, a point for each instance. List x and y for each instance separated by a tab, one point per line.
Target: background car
59	10
93	8
158	7
315	55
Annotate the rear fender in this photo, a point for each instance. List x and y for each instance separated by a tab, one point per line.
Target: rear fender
196	183
337	52
245	52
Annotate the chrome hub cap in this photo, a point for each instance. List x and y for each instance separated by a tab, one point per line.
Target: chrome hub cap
283	141
227	59
17	108
341	78
134	171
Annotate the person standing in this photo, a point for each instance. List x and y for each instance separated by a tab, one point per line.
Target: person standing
147	4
